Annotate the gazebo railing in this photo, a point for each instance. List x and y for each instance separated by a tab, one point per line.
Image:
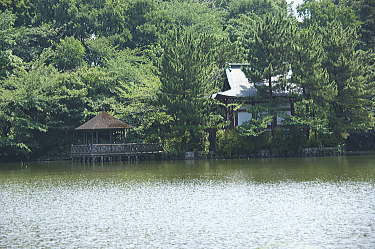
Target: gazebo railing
115	149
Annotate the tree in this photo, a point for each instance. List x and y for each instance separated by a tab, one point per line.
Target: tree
311	108
350	70
336	75
23	10
187	74
34	102
267	41
69	54
136	87
99	50
32	41
324	12
168	15
140	14
82	19
365	10
255	7
8	37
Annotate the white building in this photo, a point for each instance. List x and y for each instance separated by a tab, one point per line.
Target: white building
246	94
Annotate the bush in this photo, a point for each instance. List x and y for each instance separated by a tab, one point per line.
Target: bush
230	143
288	140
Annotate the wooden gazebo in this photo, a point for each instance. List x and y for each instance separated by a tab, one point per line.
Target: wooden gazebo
103	129
104	137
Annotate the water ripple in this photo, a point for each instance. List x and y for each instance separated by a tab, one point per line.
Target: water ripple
186	207
188	215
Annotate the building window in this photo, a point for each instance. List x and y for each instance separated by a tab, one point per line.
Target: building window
243	117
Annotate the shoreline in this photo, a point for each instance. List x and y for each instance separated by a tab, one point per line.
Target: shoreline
264	154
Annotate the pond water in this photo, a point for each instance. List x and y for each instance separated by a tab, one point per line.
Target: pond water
273	203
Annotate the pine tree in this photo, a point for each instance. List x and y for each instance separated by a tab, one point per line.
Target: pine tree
268	42
338	75
187	74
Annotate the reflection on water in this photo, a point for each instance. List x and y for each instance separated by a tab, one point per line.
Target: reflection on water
275	203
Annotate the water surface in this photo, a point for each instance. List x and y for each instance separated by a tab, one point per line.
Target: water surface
273	203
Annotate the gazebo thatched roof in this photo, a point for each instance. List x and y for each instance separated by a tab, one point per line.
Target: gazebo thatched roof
103	121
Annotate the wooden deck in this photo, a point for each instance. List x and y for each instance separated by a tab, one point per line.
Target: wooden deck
113	151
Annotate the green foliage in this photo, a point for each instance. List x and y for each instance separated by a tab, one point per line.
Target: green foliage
9	62
268	42
136	85
231	143
155	64
365	10
255	7
69	54
23	8
33	101
256	126
7	34
288	140
32	41
187	74
200	17
352	107
323	12
140	15
99	87
335	74
99	50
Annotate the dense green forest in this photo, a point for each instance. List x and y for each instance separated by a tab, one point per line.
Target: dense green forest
154	64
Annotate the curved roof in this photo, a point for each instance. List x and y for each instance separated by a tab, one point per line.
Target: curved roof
238	82
240	86
103	121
